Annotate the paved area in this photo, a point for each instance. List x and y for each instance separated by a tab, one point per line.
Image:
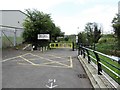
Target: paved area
57	68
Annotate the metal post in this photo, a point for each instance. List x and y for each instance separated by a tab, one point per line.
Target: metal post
98	63
78	49
83	53
88	56
15	37
119	61
73	46
81	49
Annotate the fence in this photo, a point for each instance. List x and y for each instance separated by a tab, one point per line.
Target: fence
10	36
104	62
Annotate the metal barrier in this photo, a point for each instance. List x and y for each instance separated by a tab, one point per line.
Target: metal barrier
104	62
61	45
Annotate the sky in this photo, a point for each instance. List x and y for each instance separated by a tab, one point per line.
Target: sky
70	15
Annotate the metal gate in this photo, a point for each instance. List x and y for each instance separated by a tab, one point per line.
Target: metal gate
61	45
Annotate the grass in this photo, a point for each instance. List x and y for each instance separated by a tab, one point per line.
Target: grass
108	45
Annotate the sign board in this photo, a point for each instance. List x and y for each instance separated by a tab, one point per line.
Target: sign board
43	36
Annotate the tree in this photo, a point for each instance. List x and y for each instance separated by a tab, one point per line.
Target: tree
39	23
116	26
97	33
89	32
93	32
82	38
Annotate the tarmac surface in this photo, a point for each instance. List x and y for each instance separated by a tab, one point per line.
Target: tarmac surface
57	68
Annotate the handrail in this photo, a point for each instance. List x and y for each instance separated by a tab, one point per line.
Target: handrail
86	52
111	64
102	54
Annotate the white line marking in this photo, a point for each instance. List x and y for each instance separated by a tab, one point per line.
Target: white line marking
9	59
27	60
71	63
14	57
51	60
39	65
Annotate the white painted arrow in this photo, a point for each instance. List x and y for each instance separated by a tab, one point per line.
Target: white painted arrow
51	83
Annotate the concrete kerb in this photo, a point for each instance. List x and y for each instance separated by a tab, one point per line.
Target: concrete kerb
96	80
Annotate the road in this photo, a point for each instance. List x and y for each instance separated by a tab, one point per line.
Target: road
57	68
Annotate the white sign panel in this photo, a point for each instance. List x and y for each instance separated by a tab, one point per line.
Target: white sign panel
44	36
76	39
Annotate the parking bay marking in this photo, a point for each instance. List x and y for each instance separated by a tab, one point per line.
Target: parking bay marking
52	60
28	60
14	57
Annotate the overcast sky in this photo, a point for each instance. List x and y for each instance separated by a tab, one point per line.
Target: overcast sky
70	14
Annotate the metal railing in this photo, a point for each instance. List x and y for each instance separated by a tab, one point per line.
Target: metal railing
104	62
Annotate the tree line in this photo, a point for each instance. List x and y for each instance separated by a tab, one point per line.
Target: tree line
41	23
93	32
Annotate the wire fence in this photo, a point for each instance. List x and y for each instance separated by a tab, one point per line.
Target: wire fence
10	36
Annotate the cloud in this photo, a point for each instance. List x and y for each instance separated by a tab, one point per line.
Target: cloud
99	13
24	4
39	4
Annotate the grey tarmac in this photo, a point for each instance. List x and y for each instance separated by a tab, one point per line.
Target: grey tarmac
56	68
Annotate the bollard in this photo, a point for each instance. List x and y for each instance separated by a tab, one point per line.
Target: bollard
33	47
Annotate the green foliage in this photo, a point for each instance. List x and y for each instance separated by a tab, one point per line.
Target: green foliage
107	39
116	26
90	35
93	32
39	23
66	38
108	45
70	38
97	33
82	38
